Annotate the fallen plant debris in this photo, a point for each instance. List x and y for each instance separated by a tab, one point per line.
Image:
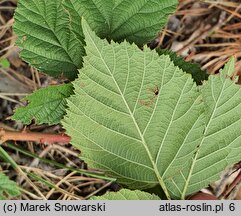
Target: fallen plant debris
211	42
206	32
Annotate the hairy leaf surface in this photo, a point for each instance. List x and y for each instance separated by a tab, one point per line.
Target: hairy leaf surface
46	39
136	21
132	117
126	194
147	125
46	105
220	144
51	37
7	187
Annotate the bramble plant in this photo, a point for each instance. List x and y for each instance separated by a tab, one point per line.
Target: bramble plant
134	113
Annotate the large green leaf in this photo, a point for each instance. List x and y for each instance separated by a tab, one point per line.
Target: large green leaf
51	36
7	188
136	21
46	105
145	122
120	122
126	194
46	39
221	141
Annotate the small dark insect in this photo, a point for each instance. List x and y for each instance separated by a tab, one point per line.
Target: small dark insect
156	90
151	101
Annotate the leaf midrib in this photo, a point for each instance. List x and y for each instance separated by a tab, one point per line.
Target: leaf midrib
201	142
159	178
61	45
127	19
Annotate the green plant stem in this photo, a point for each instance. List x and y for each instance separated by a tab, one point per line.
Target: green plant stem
33	136
4	155
81	171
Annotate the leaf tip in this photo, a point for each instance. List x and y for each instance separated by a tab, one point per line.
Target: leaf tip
229	68
85	26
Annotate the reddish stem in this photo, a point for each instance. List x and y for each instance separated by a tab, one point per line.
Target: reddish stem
33	136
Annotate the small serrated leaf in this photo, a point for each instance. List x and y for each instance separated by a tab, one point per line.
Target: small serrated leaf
7	187
125	194
46	105
4	63
46	39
